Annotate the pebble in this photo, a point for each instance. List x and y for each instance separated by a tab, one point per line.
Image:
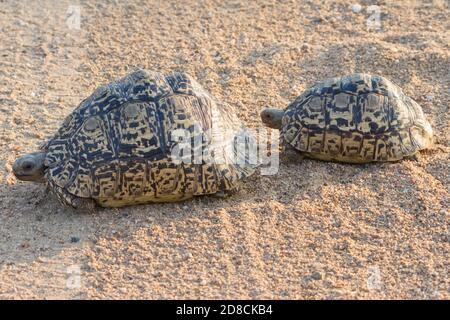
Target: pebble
305	47
123	290
356	8
336	223
316	276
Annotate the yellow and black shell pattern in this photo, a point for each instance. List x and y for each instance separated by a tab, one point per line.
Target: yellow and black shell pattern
117	146
357	118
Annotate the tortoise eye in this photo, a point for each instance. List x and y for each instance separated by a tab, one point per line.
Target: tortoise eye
27	166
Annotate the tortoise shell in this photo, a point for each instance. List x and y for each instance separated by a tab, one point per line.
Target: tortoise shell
117	147
357	118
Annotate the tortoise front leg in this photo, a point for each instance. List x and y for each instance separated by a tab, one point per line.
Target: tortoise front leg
82	204
291	155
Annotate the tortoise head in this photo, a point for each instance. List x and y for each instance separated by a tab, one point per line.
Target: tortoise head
30	167
272	117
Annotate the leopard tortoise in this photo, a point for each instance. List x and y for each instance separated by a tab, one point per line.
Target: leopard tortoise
357	118
117	147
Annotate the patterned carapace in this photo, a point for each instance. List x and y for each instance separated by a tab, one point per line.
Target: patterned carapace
117	146
357	118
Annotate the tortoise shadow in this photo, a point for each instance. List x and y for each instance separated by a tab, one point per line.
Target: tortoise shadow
35	226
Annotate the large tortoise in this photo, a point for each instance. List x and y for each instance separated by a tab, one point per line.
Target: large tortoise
119	146
357	118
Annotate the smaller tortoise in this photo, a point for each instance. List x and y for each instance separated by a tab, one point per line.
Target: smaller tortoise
121	145
357	118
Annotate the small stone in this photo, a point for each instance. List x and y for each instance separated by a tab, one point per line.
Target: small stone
305	47
336	222
74	239
318	20
356	8
16	148
25	245
316	276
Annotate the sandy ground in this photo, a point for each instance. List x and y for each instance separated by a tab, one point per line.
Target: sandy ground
316	230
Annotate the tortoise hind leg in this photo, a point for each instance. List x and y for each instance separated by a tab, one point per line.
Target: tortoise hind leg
83	204
223	194
413	157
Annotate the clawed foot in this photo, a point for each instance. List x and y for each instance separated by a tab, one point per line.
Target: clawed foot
291	155
223	194
84	205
